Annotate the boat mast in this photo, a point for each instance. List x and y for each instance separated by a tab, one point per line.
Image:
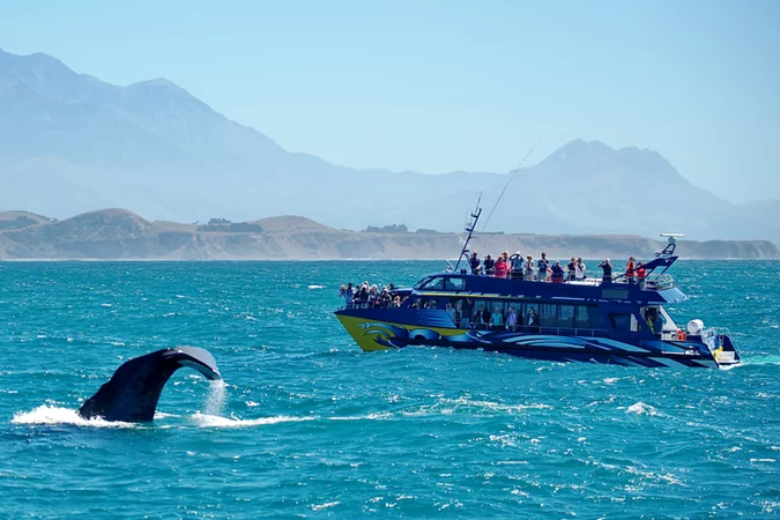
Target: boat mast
470	230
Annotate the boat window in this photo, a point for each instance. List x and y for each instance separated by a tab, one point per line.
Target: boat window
421	283
594	317
566	316
463	311
547	316
424	303
581	319
430	303
620	294
455	284
431	284
620	321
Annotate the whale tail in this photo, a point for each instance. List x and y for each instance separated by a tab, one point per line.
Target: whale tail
132	393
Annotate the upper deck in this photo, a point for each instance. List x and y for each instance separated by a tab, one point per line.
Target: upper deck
657	289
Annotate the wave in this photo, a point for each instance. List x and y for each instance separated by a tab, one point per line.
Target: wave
51	415
641	408
311	287
450	406
217	421
761	360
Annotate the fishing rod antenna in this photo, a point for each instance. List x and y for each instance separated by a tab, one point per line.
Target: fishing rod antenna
511	177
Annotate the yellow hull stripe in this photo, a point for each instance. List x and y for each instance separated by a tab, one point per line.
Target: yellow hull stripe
368	342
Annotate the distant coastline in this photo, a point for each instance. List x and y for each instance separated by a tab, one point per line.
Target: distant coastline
118	234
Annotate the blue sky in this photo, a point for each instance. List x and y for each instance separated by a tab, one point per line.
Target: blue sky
437	86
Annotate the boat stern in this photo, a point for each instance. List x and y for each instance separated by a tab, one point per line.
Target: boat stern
721	348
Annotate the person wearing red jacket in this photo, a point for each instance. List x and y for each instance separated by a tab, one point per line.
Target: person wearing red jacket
501	267
641	274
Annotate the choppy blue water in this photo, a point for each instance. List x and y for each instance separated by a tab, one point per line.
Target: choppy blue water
311	427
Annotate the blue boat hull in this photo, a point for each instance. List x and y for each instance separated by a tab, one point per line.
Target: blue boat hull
372	334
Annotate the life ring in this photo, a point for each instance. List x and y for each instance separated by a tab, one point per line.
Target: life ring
681	335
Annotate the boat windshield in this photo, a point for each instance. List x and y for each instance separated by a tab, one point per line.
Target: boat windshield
441	283
422	283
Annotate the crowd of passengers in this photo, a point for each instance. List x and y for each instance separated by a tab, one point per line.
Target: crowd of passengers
367	296
479	316
516	267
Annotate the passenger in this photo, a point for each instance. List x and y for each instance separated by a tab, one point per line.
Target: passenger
396	303
641	275
505	256
384	299
363	295
481	317
457	317
489	266
501	268
532	320
348	293
606	266
572	270
497	318
649	320
579	273
544	268
373	296
557	272
450	312
630	266
474	263
392	287
528	266
465	307
658	326
516	266
511	319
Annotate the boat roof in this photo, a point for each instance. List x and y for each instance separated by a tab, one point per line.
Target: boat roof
660	289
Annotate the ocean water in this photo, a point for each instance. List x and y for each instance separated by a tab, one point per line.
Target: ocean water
308	426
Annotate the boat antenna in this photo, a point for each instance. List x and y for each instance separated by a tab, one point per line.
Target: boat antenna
470	232
512	176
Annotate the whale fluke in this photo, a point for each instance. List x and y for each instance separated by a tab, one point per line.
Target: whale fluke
132	393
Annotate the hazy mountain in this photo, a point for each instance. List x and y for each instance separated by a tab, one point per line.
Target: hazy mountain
70	143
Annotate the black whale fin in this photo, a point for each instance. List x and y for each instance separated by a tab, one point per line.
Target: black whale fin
132	393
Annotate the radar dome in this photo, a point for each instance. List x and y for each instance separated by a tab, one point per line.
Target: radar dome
695	327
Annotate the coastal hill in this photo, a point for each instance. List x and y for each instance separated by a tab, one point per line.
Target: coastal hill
70	142
120	234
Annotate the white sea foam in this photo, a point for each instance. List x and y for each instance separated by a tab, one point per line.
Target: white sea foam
163	415
761	360
311	287
641	408
215	421
47	414
368	417
320	507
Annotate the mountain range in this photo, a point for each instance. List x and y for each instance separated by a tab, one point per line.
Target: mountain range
117	234
70	143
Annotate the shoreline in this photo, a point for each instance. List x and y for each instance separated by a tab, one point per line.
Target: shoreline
311	260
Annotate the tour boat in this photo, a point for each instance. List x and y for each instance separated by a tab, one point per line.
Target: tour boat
603	320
